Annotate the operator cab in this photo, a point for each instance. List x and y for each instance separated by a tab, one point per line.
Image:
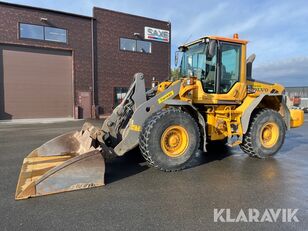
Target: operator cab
215	61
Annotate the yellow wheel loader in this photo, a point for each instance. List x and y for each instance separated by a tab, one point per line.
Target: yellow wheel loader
216	99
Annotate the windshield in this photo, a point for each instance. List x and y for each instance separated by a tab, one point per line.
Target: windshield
193	61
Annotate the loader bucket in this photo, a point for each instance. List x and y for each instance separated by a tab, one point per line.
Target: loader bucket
65	163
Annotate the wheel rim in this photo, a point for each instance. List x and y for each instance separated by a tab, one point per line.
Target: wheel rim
269	134
174	141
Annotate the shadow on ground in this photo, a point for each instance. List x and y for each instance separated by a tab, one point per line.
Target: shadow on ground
130	164
133	163
214	152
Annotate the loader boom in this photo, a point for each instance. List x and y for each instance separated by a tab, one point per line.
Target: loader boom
121	130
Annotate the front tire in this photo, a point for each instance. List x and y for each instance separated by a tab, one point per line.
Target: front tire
265	135
169	139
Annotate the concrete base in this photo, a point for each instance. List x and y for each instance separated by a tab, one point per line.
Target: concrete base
35	121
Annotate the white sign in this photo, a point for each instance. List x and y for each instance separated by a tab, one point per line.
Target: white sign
155	34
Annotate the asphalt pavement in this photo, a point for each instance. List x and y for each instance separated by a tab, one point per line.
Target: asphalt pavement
140	198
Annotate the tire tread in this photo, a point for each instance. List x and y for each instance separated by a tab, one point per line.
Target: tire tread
247	145
146	132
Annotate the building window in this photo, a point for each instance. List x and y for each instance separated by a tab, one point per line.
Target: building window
135	45
143	46
46	33
127	44
55	34
119	93
31	31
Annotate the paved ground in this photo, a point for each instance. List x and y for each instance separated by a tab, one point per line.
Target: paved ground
140	198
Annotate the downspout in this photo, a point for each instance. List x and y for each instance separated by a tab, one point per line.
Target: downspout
93	114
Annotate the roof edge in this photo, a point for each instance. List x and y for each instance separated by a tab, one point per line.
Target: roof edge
297	86
225	39
128	14
45	9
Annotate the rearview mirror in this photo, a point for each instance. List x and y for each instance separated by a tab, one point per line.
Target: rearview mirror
211	49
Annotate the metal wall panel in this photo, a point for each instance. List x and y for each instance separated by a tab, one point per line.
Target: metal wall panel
35	83
297	91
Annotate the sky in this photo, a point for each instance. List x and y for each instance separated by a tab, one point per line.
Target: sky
277	31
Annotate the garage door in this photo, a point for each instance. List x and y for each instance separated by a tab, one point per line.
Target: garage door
35	83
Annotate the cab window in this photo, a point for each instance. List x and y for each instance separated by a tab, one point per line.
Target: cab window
209	79
230	66
193	61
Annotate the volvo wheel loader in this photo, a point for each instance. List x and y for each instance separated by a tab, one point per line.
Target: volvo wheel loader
216	99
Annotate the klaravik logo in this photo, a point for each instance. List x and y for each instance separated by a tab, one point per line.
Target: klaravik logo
255	215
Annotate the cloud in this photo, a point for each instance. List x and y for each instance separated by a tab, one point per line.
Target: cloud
276	29
290	72
193	25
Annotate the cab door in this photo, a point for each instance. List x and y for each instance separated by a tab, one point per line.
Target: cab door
227	70
231	84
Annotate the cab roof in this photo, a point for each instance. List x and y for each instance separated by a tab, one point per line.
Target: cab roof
225	39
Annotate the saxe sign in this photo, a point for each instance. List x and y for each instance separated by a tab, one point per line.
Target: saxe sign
155	34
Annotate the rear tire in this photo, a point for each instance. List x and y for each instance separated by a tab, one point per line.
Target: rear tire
265	135
169	139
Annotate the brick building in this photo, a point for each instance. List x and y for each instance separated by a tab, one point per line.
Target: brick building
58	64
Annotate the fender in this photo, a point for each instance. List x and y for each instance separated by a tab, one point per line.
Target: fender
284	110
